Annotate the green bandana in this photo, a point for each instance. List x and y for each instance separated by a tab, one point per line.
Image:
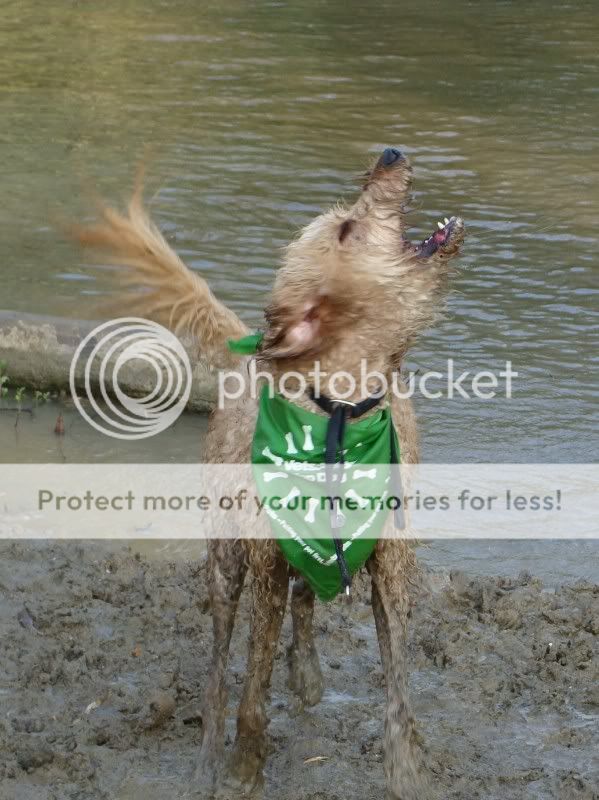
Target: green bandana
288	455
246	346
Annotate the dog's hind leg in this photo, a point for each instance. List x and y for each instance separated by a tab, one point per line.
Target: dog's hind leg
390	568
226	567
270	583
305	677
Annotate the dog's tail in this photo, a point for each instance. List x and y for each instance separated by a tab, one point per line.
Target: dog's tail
170	293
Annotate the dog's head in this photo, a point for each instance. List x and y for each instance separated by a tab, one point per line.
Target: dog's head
352	286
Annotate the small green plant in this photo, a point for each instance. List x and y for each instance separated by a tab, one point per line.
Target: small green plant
3	380
41	397
19	395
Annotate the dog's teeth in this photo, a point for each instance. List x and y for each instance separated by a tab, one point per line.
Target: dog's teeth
440	225
446	221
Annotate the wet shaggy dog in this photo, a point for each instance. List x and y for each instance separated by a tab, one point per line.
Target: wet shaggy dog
352	287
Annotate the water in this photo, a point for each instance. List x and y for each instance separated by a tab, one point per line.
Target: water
259	115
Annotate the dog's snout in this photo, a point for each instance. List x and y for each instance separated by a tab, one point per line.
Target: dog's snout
391	155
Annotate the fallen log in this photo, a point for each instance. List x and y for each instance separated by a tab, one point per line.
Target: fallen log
38	352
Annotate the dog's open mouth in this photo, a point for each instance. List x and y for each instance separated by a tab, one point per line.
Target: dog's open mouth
446	238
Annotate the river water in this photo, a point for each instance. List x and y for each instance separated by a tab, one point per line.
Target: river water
259	115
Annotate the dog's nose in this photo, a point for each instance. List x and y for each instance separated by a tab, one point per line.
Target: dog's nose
391	155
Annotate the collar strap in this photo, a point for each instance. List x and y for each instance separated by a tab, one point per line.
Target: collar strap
339	411
352	410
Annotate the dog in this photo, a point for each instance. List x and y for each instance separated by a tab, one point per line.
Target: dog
352	288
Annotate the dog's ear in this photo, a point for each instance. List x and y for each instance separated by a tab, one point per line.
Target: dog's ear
294	332
345	229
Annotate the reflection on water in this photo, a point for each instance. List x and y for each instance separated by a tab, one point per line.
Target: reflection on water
29	436
260	115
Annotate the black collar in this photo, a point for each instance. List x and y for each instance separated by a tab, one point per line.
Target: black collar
352	410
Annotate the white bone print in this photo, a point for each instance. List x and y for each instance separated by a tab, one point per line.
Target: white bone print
275	459
270	476
308	443
365	473
312	506
291	448
356	497
295	492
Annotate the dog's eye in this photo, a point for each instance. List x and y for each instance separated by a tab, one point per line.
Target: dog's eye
345	229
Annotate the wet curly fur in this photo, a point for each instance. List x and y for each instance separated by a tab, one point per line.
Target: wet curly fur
351	287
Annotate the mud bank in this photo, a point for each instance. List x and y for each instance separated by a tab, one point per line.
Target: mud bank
104	656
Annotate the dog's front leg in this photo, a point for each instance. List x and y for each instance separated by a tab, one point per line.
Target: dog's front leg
305	676
390	567
269	597
226	568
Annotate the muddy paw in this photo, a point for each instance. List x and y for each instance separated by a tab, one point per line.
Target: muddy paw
206	776
410	784
305	677
244	779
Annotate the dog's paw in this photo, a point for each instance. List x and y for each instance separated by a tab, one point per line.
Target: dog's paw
244	779
305	677
205	776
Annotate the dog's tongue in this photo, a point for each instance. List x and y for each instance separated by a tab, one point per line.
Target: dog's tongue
430	246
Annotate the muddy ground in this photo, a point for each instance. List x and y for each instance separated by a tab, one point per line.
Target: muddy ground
104	656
